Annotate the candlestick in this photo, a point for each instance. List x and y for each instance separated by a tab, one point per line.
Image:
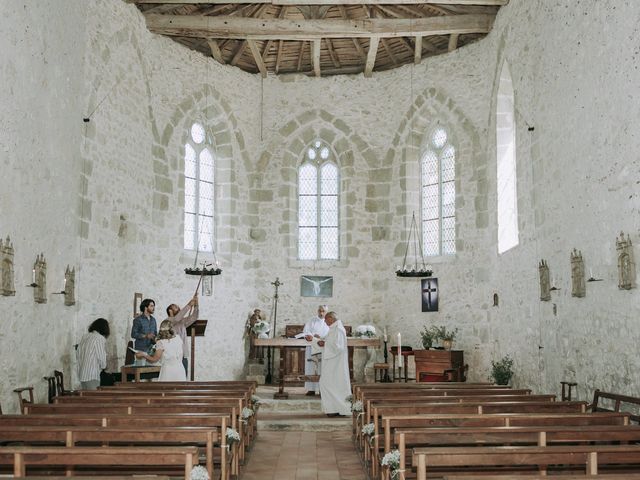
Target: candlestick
399	357
33	276
590	273
385	333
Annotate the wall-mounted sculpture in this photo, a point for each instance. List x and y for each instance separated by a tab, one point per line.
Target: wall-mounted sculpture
545	283
626	263
70	286
578	285
40	276
7	285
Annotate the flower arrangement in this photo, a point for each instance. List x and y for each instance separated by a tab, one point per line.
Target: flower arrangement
255	400
247	413
199	473
365	331
261	328
232	436
392	460
502	370
356	406
429	336
368	429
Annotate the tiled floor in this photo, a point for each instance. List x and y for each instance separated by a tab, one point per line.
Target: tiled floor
297	455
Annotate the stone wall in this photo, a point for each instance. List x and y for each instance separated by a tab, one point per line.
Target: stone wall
107	195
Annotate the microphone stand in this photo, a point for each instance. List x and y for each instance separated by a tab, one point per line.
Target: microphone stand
269	377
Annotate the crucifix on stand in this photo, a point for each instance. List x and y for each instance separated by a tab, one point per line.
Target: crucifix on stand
276	284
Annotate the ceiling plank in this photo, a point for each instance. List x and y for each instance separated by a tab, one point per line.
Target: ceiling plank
286	29
281	14
387	49
453	42
356	42
417	54
279	55
257	57
495	3
300	54
215	50
238	53
315	45
371	56
332	53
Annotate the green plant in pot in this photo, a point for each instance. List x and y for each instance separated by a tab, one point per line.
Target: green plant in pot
447	336
429	336
502	370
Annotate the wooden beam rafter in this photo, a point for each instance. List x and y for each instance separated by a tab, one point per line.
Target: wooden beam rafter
491	3
215	50
389	52
371	56
453	41
315	56
417	55
286	29
257	57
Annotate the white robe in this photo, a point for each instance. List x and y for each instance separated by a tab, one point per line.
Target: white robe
315	326
335	385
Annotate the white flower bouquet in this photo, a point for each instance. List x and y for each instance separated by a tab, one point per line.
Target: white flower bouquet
356	406
392	460
261	328
365	331
247	413
199	473
232	436
367	429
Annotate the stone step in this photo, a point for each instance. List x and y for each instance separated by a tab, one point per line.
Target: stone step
255	378
294	406
256	369
317	423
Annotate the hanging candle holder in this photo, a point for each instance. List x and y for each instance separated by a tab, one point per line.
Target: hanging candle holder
419	267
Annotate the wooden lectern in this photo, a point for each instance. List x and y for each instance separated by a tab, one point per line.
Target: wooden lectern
197	329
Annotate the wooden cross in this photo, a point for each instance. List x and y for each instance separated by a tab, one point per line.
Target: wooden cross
428	291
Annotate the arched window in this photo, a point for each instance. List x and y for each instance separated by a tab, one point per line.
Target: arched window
318	200
438	167
199	167
506	152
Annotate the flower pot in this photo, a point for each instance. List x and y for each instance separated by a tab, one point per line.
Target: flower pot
447	344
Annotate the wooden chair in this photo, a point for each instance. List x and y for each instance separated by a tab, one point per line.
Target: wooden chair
51	388
381	372
618	400
23	401
566	390
60	390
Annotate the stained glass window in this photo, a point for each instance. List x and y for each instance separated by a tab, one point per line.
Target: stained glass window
318	204
199	175
438	168
508	235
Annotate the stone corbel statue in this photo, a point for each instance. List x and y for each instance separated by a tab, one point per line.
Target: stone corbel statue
626	263
70	286
40	274
578	286
7	286
545	284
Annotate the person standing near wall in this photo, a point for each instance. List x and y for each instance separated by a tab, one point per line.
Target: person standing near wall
144	328
92	354
181	319
314	328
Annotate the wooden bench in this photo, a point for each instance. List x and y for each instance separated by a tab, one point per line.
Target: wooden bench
22	457
591	458
608	476
617	400
71	436
542	435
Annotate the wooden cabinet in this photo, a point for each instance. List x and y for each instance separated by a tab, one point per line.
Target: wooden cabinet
440	366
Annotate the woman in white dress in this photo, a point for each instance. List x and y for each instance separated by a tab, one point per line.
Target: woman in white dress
169	349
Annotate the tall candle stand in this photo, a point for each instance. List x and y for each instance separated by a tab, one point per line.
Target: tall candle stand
386	378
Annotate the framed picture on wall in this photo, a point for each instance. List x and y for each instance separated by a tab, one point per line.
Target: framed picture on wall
137	300
316	286
429	293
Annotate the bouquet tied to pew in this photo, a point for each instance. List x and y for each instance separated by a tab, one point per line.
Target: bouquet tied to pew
232	437
199	473
392	461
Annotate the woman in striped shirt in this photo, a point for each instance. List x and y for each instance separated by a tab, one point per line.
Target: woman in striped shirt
92	354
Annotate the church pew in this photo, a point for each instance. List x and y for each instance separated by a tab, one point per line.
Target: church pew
430	462
380	409
70	436
161	409
22	457
607	476
617	400
102	477
542	435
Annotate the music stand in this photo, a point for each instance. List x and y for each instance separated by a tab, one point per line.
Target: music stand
196	329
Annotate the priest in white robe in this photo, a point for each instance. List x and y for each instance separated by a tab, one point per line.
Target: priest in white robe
335	385
314	328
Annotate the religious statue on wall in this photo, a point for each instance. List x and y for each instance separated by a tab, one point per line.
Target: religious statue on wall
7	286
626	263
545	283
69	286
578	285
40	279
252	330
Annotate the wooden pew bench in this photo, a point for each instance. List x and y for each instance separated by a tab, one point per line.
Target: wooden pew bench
542	435
608	476
431	462
618	401
21	458
70	436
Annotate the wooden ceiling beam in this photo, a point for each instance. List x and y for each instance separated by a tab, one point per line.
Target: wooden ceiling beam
387	49
279	55
238	53
300	54
453	42
332	53
356	42
315	57
281	14
417	54
371	56
215	50
258	58
285	29
491	3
